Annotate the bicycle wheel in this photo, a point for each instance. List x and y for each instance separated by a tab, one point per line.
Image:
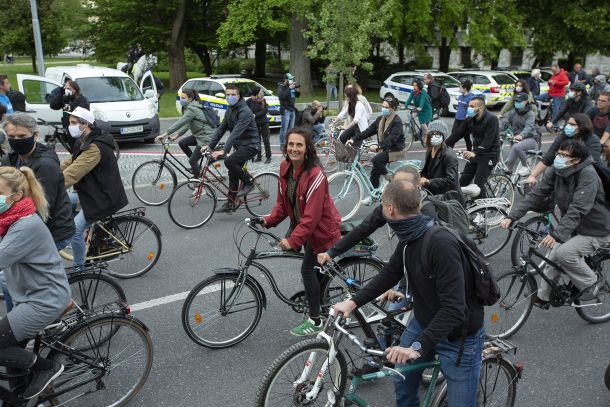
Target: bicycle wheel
507	316
360	269
497	385
261	200
293	375
485	229
500	186
326	155
118	365
598	310
192	204
222	311
153	182
520	245
93	289
346	191
139	244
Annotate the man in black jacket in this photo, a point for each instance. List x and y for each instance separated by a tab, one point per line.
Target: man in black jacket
578	102
239	121
287	93
448	321
485	130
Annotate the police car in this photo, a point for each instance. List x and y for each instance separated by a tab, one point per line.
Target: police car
525	75
497	87
212	90
400	85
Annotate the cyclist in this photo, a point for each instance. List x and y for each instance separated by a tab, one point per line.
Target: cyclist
67	98
258	105
440	172
578	102
357	114
459	128
93	171
521	88
522	122
391	139
193	119
448	321
585	220
485	132
578	127
244	138
34	273
421	100
600	114
314	221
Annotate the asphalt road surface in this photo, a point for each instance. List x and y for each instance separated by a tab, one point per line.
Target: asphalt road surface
564	356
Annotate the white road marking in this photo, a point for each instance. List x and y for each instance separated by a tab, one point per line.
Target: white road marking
171	298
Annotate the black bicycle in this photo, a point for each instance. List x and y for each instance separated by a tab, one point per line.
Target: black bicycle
519	288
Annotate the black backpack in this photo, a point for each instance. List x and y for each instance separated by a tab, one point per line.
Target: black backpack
211	115
17	100
444	97
486	290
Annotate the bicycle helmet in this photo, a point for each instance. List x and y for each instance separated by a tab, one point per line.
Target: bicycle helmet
578	86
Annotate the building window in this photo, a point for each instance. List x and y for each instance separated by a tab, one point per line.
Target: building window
465	56
516	58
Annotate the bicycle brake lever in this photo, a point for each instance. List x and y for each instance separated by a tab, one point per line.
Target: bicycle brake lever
394	371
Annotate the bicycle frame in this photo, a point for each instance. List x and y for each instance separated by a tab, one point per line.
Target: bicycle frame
169	159
357	171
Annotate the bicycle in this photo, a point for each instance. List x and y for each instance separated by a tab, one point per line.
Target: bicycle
224	309
519	287
107	356
533	158
315	372
61	135
542	223
127	236
413	131
91	288
325	149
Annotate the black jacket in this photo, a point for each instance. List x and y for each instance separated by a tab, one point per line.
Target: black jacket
286	99
59	101
572	106
45	164
393	138
534	85
442	306
592	142
434	91
240	122
101	191
309	119
259	109
485	134
442	171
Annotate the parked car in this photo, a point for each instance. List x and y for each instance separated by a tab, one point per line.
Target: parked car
525	75
497	87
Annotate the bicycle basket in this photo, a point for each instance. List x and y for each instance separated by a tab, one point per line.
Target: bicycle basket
343	153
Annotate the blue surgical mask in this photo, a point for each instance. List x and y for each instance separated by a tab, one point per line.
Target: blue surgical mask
471	112
569	130
3	205
183	102
385	111
560	163
232	100
519	105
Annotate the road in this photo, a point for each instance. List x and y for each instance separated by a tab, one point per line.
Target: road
564	357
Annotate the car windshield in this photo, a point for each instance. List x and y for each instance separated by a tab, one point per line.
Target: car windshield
504	80
245	88
109	89
447	81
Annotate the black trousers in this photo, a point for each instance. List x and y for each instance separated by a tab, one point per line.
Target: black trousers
311	281
349	134
12	354
478	168
263	131
379	167
194	156
235	163
458	131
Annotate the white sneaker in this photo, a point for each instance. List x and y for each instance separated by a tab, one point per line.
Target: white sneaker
366	201
523	171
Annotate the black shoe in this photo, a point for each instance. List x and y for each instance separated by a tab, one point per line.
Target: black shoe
590	293
542	304
257	159
268	160
41	379
227	207
245	190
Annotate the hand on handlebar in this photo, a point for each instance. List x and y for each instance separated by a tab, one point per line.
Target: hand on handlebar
505	223
345	307
349	142
532	180
285	245
398	354
217	154
324	258
391	295
160	137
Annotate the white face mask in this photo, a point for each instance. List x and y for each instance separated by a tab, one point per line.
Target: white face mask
519	88
75	131
67	92
436	140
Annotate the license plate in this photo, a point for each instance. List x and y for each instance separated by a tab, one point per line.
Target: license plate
131	130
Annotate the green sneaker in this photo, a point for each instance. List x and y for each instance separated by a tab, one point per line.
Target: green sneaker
307	327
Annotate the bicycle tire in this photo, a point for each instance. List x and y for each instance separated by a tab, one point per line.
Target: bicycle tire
500	186
408	131
493	371
516	288
360	269
143	239
194	321
485	229
153	182
520	244
288	367
192	204
261	200
346	193
596	314
117	332
93	289
326	155
607	377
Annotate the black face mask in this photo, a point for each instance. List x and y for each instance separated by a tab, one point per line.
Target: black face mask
22	146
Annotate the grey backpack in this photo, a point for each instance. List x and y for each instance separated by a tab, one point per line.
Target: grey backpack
451	212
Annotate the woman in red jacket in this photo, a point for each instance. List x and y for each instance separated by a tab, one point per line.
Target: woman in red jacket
314	221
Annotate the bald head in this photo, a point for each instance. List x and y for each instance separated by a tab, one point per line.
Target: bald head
403	197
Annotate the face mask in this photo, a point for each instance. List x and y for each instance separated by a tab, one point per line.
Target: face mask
519	105
385	111
560	163
75	131
519	89
471	112
569	130
232	100
571	94
22	146
183	102
68	92
436	140
3	205
290	82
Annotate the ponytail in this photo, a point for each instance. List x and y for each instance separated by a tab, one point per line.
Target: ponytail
24	180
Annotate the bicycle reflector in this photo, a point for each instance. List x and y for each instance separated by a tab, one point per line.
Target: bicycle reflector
198	318
150	256
495	318
217	165
161	186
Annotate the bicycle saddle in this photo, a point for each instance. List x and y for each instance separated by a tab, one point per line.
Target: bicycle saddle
471	190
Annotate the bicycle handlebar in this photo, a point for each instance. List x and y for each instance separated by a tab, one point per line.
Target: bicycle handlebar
254	222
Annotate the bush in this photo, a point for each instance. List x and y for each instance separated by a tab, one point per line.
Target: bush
228	66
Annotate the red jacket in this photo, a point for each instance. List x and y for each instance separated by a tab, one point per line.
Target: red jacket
320	221
559	87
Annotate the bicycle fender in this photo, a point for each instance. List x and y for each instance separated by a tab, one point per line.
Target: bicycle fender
255	283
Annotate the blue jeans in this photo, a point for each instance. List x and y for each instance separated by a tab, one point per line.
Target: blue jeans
318	130
288	118
556	102
462	380
79	247
331	91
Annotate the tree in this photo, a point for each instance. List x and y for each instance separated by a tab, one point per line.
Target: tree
201	25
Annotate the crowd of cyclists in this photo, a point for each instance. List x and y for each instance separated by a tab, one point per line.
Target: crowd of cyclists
38	217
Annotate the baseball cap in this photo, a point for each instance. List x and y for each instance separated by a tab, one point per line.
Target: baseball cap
84	114
289	76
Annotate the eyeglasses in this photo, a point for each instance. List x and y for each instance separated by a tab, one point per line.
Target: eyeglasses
564	155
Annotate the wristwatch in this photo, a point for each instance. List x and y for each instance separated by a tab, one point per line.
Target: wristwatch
416	346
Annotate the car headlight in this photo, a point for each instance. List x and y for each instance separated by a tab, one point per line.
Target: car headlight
152	110
100	115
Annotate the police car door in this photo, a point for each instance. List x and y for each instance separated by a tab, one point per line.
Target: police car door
148	83
37	91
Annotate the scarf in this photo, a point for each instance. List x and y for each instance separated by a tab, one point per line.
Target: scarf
384	123
411	228
416	92
20	209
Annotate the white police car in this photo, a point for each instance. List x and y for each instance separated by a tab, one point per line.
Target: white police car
400	85
497	87
212	90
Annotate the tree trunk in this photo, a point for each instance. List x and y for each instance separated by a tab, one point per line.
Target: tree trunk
203	53
299	62
444	54
340	92
177	64
401	53
260	58
279	56
34	61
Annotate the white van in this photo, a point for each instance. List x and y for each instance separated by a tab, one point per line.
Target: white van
126	110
